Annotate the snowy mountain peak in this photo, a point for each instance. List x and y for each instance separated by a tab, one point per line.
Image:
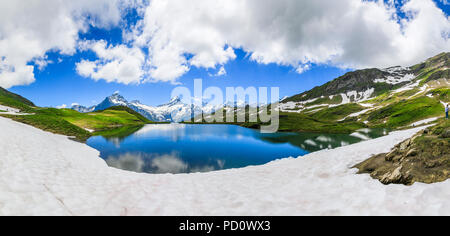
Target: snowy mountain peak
82	109
173	111
117	98
174	101
176	98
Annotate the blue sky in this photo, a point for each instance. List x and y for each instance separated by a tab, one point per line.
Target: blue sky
60	83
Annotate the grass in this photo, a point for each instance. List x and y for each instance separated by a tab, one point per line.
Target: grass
442	94
379	99
424	77
438	75
382	88
324	121
130	111
408	93
389	98
69	122
440	128
294	122
114	121
13	100
72	123
98	121
337	113
53	124
405	112
326	100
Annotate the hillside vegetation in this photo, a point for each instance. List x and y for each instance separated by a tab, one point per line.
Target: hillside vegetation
69	122
13	100
390	98
402	113
424	158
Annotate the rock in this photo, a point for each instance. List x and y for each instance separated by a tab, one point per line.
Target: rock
393	177
390	156
413	152
398	158
405	145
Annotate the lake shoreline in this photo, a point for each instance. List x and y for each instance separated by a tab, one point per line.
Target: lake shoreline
190	148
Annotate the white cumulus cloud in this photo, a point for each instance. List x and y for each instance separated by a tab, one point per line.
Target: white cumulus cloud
30	29
174	36
119	64
180	34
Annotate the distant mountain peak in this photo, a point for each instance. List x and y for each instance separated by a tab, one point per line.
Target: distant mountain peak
117	95
173	111
174	101
117	98
176	98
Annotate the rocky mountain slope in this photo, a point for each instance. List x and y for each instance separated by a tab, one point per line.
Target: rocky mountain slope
359	85
394	97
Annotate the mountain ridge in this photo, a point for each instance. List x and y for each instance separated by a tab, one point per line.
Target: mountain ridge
173	111
380	80
392	98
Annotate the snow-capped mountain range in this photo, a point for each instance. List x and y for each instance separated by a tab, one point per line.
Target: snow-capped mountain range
173	111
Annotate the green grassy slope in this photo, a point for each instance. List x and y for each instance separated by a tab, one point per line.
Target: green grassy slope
15	101
405	112
323	121
130	111
295	122
433	69
69	122
337	113
72	123
97	121
442	94
53	124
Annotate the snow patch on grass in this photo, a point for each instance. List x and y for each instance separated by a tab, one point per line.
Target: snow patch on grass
423	122
396	79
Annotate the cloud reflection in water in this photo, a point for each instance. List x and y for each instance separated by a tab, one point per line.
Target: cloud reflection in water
170	163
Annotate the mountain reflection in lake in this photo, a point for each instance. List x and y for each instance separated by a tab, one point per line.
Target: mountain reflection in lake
179	148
